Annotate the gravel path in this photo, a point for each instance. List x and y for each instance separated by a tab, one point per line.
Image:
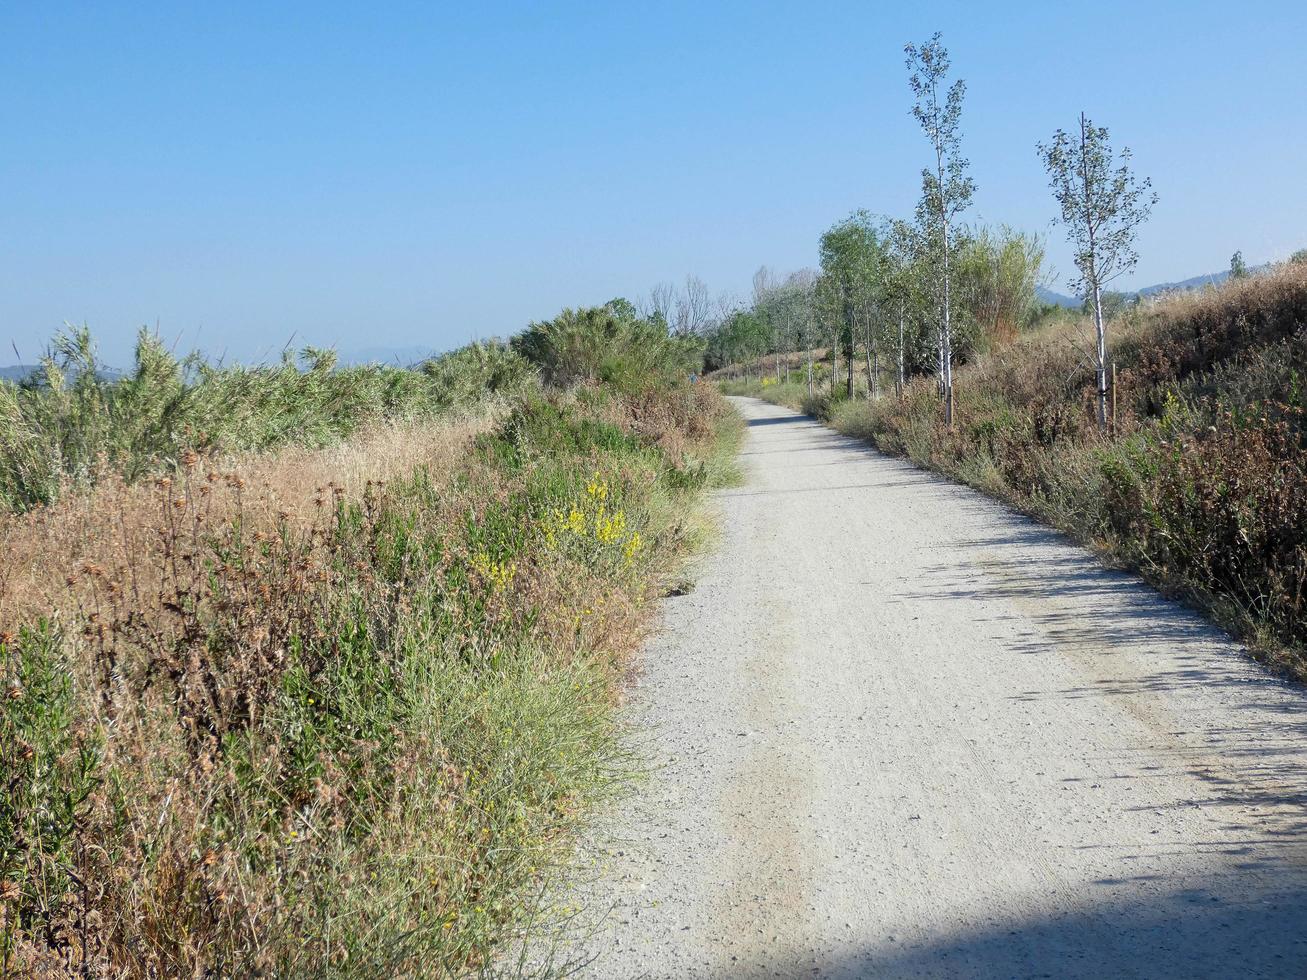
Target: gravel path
904	732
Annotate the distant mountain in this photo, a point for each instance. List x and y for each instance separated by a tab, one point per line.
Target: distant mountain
16	372
1057	299
21	372
1197	282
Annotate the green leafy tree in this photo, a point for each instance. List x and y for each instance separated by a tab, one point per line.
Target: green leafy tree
1114	303
1238	267
851	256
1102	204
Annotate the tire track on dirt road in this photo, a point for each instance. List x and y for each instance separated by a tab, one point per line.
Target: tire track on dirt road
903	731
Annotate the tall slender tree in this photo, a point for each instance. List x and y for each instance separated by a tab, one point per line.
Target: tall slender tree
946	188
1103	204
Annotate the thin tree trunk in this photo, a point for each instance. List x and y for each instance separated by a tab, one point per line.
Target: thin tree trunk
1101	373
871	378
809	372
1100	328
1114	429
901	333
948	339
850	353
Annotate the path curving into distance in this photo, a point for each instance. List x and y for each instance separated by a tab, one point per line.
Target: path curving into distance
904	732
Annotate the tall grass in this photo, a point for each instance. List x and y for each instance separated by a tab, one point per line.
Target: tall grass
1202	482
258	724
71	424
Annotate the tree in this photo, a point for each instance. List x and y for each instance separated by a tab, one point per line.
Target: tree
609	343
1299	257
661	299
1103	205
946	189
791	306
851	256
827	304
1238	268
693	308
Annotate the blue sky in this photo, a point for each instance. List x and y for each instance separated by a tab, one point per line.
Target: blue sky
393	175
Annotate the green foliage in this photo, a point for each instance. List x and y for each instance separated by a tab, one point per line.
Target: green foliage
607	344
73	422
51	765
742	336
464	377
1114	304
356	746
946	187
998	272
852	263
1102	202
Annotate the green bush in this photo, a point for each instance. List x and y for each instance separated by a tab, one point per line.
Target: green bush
608	344
72	423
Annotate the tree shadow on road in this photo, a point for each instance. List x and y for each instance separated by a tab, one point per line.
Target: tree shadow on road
1185	933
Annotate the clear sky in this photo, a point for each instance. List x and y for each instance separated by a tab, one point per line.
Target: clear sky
419	174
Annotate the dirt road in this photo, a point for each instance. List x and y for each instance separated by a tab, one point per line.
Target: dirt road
904	732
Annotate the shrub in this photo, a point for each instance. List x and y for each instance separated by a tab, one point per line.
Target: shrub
607	344
341	735
72	424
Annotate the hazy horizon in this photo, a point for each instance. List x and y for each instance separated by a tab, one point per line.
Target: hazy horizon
427	175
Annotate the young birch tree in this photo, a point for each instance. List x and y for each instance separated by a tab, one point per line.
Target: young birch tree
1103	205
946	189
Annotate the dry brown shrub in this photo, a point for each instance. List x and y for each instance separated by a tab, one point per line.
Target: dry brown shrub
115	527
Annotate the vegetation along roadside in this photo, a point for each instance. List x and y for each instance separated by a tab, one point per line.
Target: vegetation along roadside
1200	479
335	711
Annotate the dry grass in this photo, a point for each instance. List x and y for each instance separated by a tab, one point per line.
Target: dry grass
335	712
115	525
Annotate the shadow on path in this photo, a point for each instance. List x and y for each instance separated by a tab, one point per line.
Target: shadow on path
1189	933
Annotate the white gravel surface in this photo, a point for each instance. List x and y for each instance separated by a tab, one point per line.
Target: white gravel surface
902	731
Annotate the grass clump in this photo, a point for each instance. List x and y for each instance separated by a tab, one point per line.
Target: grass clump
334	724
71	424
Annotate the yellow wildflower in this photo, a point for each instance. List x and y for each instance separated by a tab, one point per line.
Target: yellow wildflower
632	546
